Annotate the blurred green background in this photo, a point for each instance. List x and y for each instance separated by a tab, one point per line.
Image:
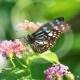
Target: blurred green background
13	12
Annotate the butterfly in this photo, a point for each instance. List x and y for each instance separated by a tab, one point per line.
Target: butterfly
46	36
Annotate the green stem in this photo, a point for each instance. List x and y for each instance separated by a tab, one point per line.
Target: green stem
12	62
21	64
28	61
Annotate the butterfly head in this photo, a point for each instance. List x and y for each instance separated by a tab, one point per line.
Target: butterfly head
61	25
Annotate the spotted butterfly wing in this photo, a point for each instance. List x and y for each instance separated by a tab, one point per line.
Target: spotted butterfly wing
46	36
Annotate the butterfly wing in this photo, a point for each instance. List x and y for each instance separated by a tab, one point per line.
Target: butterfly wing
44	39
46	36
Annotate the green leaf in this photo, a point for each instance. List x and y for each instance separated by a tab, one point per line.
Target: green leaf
39	63
14	74
37	68
50	56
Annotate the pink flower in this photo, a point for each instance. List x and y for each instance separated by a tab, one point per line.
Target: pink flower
18	47
49	77
11	47
6	46
29	26
57	70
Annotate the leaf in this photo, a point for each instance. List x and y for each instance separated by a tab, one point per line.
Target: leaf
37	68
14	74
50	56
39	63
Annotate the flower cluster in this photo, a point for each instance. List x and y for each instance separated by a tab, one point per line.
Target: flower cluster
29	26
57	70
10	47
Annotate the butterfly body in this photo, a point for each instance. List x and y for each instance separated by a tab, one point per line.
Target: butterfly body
45	37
